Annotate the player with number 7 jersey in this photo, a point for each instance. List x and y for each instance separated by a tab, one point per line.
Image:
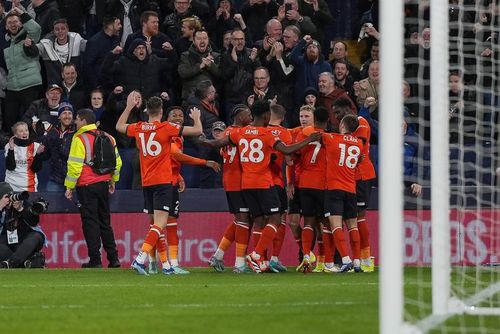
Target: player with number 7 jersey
153	141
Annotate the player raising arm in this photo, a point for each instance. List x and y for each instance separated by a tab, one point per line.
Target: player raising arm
153	141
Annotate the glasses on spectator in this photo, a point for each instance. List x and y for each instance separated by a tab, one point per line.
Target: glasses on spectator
261	78
182	2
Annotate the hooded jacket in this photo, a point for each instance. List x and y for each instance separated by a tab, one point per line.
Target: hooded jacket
146	76
53	64
22	62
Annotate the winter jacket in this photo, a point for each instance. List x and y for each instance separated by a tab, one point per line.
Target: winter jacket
238	76
46	14
22	62
41	110
77	96
57	144
190	72
128	71
307	73
51	60
95	51
75	12
207	117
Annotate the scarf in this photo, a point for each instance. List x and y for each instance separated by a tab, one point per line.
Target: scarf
211	107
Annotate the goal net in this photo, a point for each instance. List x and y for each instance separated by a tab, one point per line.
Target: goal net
450	233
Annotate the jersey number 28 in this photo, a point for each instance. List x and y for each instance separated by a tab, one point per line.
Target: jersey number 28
251	151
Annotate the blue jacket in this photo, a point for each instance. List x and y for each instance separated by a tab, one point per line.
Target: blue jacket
307	73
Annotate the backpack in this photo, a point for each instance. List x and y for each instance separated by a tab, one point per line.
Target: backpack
104	158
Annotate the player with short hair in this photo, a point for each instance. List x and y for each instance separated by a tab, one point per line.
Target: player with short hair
312	181
306	117
153	141
255	144
239	229
365	174
342	154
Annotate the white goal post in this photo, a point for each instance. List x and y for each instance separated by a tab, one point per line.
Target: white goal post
445	302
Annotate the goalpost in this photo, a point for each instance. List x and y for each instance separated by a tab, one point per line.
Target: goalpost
455	288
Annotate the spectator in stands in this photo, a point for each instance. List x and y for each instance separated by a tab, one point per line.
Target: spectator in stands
339	52
46	13
204	98
292	16
60	48
188	27
273	34
74	11
129	13
374	55
199	63
137	70
282	72
311	96
98	47
21	169
369	86
209	177
237	67
329	93
257	13
21	57
73	89
226	19
57	143
342	78
157	43
173	22
320	16
43	113
261	90
97	104
308	66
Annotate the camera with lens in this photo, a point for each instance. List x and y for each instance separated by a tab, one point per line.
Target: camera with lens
20	196
40	206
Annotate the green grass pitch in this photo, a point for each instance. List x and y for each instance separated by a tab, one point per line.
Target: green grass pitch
120	301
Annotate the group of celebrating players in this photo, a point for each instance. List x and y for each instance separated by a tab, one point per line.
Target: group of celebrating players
328	177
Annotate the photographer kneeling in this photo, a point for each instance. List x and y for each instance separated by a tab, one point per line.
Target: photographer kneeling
21	238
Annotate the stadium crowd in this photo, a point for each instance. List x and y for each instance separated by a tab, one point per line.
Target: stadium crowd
213	57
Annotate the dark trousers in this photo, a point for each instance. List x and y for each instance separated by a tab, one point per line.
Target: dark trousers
16	104
20	252
96	221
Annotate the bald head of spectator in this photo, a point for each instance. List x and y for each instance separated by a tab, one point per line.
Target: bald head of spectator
261	78
274	29
339	50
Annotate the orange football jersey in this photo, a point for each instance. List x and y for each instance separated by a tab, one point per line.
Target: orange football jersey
153	141
255	146
342	154
231	170
176	165
312	164
277	164
295	169
365	169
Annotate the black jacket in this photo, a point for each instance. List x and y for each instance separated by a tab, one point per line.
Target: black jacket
238	76
96	50
46	14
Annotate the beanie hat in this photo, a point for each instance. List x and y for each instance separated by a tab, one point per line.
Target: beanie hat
64	106
311	91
